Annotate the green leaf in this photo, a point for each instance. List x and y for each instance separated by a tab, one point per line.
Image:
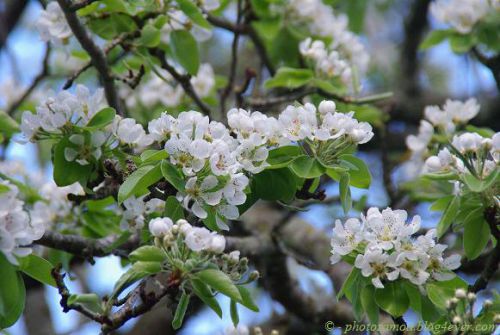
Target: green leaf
173	209
345	193
441	204
8	125
348	283
139	181
89	300
441	291
37	268
476	233
180	311
102	118
147	253
67	173
112	25
359	177
274	185
203	292
12	294
290	78
392	299
477	186
193	12
307	167
234	313
185	50
150	36
448	216
282	156
172	175
461	43
151	155
368	303
220	282
247	300
434	38
138	271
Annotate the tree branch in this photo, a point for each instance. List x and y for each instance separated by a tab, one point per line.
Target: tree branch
492	63
80	4
183	79
98	57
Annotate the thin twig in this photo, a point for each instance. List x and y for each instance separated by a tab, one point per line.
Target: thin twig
183	79
80	4
34	84
97	56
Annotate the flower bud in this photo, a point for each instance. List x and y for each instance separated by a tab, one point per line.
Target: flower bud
460	293
326	106
456	320
244	262
234	257
217	244
167	241
496	318
175	229
274	332
158	242
254	275
258	331
160	226
471	296
487	303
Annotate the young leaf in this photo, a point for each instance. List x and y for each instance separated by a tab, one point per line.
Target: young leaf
441	291
193	12
392	299
345	193
150	36
290	78
67	173
247	300
448	216
173	209
139	181
185	50
282	156
349	282
476	233
219	281
138	271
434	38
147	253
307	167
89	300
149	156
359	176
12	294
234	313
172	175
102	118
8	125
37	268
274	185
180	311
203	292
368	303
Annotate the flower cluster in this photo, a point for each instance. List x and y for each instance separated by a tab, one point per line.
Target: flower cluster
16	230
472	152
439	121
384	249
326	62
322	22
461	310
136	210
57	112
52	24
196	246
462	15
155	89
215	163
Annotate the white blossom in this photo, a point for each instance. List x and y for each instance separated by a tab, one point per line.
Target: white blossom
52	24
159	227
462	15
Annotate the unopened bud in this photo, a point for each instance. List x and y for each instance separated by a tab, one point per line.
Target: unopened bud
471	296
451	303
488	303
496	318
158	243
167	241
257	331
274	332
175	229
254	275
456	320
244	262
460	293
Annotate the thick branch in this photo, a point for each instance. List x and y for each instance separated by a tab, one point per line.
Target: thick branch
492	63
86	247
96	54
9	18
